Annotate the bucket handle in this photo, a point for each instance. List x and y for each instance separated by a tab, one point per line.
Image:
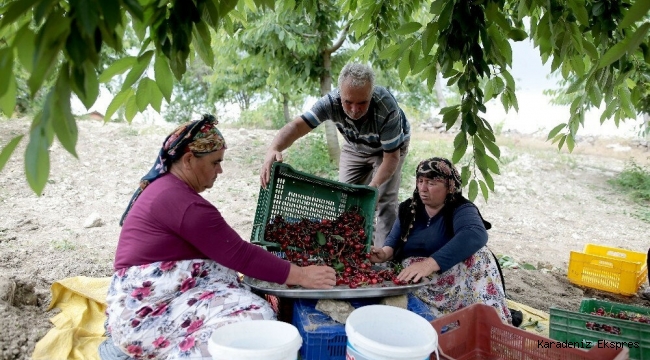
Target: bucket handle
439	353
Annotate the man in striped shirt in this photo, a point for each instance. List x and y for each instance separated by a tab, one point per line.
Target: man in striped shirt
377	136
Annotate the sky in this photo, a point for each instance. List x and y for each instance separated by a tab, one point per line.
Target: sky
535	113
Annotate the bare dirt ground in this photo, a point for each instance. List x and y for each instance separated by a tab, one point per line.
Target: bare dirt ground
546	204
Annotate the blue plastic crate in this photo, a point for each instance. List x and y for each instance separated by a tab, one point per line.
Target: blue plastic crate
325	339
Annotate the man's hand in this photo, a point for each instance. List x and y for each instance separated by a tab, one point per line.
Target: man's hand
418	270
265	172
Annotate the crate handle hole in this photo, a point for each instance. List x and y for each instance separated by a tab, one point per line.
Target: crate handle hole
616	254
449	327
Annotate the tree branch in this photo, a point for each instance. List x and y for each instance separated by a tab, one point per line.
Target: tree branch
339	41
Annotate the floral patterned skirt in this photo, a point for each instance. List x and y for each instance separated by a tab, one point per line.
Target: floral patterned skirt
475	280
168	310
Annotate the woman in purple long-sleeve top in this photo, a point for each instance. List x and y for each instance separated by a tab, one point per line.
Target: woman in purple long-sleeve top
177	259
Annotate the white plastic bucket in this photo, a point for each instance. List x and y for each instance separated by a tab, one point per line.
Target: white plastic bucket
254	340
382	332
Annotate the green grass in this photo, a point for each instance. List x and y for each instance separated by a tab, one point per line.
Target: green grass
63	245
310	155
634	181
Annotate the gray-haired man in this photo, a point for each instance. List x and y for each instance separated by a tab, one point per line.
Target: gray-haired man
377	135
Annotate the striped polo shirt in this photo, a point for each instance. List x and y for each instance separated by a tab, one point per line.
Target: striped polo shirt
383	128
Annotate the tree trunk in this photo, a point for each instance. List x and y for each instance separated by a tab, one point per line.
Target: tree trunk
330	129
285	107
439	95
646	129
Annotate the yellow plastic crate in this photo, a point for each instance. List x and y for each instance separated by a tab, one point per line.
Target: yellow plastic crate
609	269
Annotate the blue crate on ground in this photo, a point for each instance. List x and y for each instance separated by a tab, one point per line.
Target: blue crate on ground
325	339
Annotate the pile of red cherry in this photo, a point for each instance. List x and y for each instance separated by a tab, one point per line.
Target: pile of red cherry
339	243
623	315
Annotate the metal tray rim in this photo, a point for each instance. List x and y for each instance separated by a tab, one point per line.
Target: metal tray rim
339	292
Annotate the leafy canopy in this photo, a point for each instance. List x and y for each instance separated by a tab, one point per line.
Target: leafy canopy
600	46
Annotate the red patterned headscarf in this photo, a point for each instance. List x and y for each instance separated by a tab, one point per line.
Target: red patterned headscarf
199	136
442	169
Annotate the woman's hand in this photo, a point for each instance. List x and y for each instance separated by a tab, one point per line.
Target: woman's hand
380	255
312	277
418	270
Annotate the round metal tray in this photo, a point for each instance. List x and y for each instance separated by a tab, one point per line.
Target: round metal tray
338	292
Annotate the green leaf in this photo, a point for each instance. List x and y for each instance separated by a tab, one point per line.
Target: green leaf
138	69
57	111
570	143
579	10
638	10
450	117
510	81
465	174
37	155
156	96
595	95
513	100
436	6
24	42
527	266
626	102
117	102
6	69
134	8
408	28
489	90
590	49
609	111
555	131
517	34
460	147
494	149
8	99
522	10
578	65
117	67
488	179
613	54
130	109
339	267
428	37
484	189
473	190
14	10
202	42
492	164
86	14
84	83
338	237
389	51
320	237
110	10
404	67
164	77
143	93
494	15
226	5
638	37
445	15
8	149
561	143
